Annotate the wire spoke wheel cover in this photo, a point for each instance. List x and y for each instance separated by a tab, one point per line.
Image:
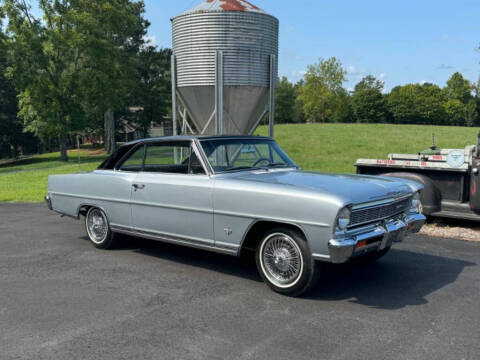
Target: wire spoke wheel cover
281	260
97	225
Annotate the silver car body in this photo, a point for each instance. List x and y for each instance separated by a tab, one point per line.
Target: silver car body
217	211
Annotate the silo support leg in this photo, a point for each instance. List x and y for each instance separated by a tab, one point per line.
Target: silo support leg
174	95
208	122
258	122
219	93
273	80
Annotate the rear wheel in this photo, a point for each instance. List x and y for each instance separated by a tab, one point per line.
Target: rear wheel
98	228
284	262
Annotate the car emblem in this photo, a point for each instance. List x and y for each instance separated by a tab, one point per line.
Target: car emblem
395	193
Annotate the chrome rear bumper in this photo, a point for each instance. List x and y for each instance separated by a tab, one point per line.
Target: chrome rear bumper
48	201
376	239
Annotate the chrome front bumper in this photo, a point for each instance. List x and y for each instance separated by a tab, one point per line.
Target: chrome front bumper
376	238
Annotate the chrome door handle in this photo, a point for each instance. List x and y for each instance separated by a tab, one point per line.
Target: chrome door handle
138	187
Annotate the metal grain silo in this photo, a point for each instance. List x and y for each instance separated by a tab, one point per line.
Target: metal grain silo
225	57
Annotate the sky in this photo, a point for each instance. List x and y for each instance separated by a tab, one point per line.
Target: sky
399	42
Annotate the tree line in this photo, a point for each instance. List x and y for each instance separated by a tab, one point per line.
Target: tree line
321	97
73	67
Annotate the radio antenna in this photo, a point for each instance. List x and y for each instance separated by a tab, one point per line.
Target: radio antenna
434	145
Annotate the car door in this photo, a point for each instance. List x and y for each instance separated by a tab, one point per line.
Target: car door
119	187
172	195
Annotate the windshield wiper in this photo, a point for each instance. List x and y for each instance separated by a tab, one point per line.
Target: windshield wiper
271	165
245	168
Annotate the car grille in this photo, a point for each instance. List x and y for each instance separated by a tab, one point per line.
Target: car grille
364	216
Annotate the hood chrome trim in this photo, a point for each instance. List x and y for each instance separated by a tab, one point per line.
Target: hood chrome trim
379	202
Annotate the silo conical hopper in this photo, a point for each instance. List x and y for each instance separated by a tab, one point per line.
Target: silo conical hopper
225	56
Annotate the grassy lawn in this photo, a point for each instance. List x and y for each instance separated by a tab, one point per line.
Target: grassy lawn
26	180
336	147
318	147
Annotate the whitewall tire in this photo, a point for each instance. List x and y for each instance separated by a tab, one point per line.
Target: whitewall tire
98	228
284	261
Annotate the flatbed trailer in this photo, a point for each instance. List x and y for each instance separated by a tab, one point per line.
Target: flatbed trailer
450	176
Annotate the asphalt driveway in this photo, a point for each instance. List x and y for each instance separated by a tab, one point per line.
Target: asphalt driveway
60	298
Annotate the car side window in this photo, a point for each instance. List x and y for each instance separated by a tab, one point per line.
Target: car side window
134	162
172	158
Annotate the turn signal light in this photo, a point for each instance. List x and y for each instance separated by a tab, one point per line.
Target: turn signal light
361	244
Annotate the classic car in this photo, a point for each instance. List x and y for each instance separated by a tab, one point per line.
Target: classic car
230	194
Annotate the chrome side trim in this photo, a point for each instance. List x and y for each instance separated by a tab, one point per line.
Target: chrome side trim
91	198
183	208
261	218
165	206
224	245
176	240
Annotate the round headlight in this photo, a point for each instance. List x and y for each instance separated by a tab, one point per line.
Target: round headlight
343	219
416	203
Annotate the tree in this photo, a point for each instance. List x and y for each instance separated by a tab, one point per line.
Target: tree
459	88
153	92
417	104
429	104
462	103
112	74
456	111
285	102
343	108
45	60
78	52
401	103
368	103
323	84
471	113
10	128
476	96
298	106
369	82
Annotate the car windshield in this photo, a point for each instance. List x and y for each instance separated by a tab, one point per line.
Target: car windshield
245	154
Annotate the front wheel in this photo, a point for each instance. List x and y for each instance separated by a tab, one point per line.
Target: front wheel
285	263
98	228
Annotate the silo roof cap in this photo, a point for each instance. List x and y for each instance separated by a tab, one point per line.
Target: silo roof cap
224	6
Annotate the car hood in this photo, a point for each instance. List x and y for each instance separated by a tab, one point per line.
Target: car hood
355	189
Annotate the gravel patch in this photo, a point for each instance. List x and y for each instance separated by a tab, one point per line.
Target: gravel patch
452	230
